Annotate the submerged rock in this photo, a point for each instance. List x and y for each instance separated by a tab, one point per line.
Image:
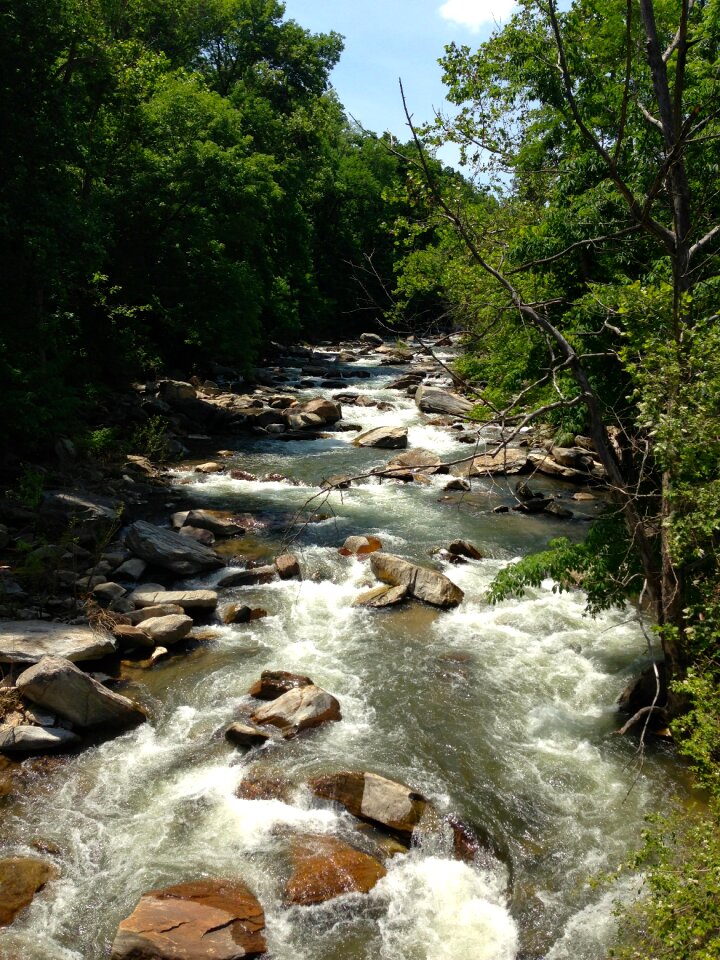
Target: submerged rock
218	919
60	686
369	796
423	584
324	868
287	566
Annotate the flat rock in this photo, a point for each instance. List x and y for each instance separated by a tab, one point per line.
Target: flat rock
27	641
185	599
218	523
386	803
26	738
60	686
437	400
380	597
503	463
167	630
167	549
204	919
324	868
423	584
20	880
246	734
414	460
237	577
299	709
386	437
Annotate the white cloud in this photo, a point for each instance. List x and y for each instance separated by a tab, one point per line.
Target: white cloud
474	14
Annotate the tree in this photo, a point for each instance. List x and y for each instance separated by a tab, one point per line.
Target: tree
599	125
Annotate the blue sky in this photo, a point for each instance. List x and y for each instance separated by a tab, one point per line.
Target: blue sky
387	39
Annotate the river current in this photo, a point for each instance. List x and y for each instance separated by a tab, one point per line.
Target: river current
502	715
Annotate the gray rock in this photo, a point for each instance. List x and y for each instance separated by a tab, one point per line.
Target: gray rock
107	592
156	610
167	630
217	523
187	599
27	641
25	738
235	577
167	549
299	709
60	686
423	584
436	400
392	438
131	569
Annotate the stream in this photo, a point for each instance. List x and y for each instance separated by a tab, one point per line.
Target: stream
501	715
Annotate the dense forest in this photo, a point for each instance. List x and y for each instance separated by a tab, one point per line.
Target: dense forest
181	187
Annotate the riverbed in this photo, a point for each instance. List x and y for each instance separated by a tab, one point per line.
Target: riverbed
501	715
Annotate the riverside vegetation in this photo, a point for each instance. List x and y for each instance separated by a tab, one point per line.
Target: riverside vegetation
183	192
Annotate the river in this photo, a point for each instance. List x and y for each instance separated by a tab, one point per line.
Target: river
502	715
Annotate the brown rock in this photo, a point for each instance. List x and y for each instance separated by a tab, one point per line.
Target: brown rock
130	636
299	709
369	796
414	460
165	631
463	548
184	599
240	613
215	521
210	467
218	919
382	597
326	410
325	867
263	788
238	577
386	437
243	475
360	546
274	683
287	566
504	462
197	533
247	734
423	584
20	880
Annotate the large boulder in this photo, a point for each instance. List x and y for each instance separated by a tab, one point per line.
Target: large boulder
274	683
504	462
164	599
327	410
392	438
437	400
176	391
299	709
380	597
167	630
20	880
218	919
423	584
28	738
386	803
60	686
27	641
167	549
324	868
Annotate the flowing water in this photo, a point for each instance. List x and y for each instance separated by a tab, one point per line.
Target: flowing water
502	715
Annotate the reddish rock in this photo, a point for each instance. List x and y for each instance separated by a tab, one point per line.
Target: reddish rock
360	546
274	683
243	475
218	919
325	867
463	548
423	584
369	796
263	788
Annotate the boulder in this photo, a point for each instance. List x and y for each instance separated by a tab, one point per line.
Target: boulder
131	569
503	463
167	549
414	460
371	338
299	709
359	546
246	734
27	641
274	683
131	637
176	391
339	482
212	466
437	400
60	686
386	803
327	410
106	593
241	613
324	868
85	516
156	610
243	475
198	534
382	597
287	566
185	599
258	787
458	483
463	548
167	630
218	523
20	880
218	919
238	577
26	738
392	438
423	584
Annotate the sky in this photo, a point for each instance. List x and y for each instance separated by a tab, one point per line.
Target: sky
388	39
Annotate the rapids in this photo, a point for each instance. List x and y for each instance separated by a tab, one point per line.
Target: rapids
502	715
